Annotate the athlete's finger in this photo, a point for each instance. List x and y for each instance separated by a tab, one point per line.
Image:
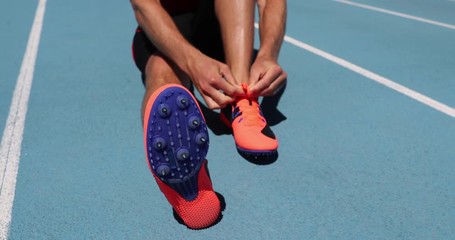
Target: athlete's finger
220	98
228	84
275	86
255	76
270	75
211	104
215	98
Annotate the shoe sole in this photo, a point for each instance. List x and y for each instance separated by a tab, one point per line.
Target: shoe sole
176	143
176	139
258	157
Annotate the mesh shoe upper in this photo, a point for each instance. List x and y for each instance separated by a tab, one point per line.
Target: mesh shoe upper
250	128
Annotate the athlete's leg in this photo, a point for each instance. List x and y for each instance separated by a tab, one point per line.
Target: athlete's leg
236	18
254	139
176	143
159	72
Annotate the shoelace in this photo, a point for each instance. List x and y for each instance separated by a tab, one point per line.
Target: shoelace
251	113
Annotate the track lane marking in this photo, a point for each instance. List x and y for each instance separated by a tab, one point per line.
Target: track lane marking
441	107
10	148
398	14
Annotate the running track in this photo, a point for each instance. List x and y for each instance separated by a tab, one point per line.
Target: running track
367	133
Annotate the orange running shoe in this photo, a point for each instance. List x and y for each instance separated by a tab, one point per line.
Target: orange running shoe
253	137
176	142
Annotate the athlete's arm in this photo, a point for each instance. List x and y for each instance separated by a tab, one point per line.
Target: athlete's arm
266	75
208	75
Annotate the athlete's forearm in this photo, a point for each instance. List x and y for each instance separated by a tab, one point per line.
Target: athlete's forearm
163	33
272	25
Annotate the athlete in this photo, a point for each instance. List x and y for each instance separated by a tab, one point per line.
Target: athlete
208	45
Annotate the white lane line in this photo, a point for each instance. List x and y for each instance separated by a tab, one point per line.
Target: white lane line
375	77
10	148
441	107
403	15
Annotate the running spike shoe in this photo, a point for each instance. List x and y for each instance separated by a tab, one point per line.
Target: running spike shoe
254	139
176	142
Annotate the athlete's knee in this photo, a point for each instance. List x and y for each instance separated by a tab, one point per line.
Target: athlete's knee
158	72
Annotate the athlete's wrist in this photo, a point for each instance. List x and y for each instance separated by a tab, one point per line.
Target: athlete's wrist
184	57
267	54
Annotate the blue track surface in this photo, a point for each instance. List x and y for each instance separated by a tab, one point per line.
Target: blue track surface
357	160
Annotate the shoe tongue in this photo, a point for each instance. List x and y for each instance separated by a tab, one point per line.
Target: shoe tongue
244	102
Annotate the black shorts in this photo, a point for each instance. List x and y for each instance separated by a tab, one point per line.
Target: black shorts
200	28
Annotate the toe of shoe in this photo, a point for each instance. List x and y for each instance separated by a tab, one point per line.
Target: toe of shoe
255	142
200	213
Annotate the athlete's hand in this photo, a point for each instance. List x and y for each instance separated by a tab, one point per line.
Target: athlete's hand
266	77
214	81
